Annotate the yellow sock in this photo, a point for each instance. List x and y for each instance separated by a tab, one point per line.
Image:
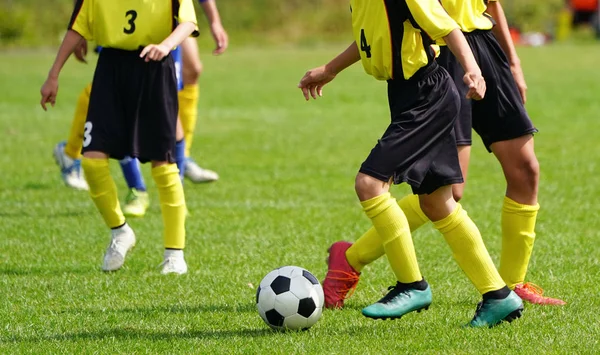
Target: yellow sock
518	235
103	191
188	113
368	247
392	227
75	141
172	204
468	249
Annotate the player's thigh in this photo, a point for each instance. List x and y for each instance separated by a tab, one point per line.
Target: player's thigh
192	66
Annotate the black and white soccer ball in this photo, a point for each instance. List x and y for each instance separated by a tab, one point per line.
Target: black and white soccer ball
290	298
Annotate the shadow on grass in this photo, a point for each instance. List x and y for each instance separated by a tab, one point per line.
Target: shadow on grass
39	271
196	308
140	334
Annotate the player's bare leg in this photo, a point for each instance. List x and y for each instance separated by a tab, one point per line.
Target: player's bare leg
464	158
521	169
188	109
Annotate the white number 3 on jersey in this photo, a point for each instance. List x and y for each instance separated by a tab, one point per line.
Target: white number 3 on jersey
87	134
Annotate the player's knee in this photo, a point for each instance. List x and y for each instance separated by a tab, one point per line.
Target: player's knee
367	187
457	191
526	173
192	72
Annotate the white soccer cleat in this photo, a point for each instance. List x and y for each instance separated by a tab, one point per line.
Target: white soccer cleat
197	174
174	263
122	241
70	169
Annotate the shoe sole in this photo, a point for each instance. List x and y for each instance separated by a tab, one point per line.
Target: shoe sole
398	317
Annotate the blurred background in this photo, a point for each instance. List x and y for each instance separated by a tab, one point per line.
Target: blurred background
32	23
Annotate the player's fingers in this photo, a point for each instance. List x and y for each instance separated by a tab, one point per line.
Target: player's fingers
320	90
43	103
145	51
313	92
305	93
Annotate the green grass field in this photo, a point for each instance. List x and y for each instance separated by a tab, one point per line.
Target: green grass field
286	192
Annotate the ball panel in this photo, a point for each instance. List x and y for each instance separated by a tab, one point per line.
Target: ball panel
281	284
266	281
290	271
295	322
301	287
306	307
266	298
310	277
274	318
286	304
257	293
314	317
320	295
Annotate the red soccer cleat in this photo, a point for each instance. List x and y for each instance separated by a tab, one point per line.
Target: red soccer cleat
532	293
341	278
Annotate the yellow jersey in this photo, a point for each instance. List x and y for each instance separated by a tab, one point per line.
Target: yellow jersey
130	24
469	14
394	37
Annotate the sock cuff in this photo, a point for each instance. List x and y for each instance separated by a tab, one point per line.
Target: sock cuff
374	206
511	206
450	222
413	201
93	163
164	170
189	91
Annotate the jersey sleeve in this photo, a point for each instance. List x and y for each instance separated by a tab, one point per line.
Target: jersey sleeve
80	19
188	14
431	17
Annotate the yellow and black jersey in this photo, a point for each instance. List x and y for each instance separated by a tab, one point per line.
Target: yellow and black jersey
131	24
469	14
394	37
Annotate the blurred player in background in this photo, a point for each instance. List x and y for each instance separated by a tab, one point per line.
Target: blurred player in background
506	130
132	111
189	95
189	68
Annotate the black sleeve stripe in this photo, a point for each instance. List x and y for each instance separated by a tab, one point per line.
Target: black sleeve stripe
78	6
175	13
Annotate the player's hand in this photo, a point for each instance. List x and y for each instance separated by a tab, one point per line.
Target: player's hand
221	38
517	73
313	81
81	51
154	52
476	85
49	91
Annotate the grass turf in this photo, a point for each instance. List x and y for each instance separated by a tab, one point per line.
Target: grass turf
286	192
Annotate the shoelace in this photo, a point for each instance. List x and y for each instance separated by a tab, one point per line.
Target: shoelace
395	290
529	286
346	277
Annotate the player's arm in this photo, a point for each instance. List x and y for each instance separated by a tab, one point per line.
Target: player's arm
314	79
502	33
435	21
216	27
50	88
161	50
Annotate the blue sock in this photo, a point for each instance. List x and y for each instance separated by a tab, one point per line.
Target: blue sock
132	173
180	157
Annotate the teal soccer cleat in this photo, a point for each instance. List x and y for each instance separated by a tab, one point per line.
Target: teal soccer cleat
401	299
491	312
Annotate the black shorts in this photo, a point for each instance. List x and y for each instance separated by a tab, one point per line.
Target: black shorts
133	107
418	147
501	114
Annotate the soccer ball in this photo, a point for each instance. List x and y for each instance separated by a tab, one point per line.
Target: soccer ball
290	298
